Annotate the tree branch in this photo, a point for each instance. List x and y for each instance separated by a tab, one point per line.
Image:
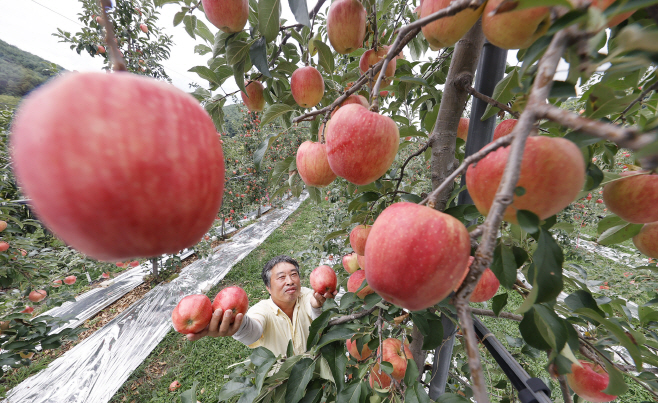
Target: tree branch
349	318
416	154
465	83
636	100
118	63
566	396
504	315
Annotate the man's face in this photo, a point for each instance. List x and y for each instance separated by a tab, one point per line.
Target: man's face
285	284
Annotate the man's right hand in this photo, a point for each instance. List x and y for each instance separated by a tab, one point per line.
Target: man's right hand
220	325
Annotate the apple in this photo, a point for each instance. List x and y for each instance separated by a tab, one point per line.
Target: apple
3	225
323	280
28	309
371	57
99	20
361	260
91	162
134	263
617	19
392	351
354	283
105	275
144	28
192	314
307	86
101	49
486	287
552	175
633	198
504	128
175	385
233	298
37	295
351	262
312	164
254	99
381	378
505	30
358	238
447	31
462	129
415	255
3	246
228	15
646	241
588	380
361	145
70	280
354	351
352	99
346	25
57	283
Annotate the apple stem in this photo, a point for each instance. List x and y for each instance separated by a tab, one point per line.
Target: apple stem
464	82
118	63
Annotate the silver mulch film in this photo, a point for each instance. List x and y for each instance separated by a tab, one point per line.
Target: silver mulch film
95	369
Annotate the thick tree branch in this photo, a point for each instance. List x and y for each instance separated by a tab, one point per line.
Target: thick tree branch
349	318
465	83
504	315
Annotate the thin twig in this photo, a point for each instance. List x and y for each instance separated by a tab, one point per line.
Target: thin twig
504	315
417	153
465	83
636	100
566	396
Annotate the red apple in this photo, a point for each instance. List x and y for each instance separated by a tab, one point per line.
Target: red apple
307	86
175	385
486	287
381	378
57	283
361	145
351	262
361	260
415	255
228	15
588	380
91	162
134	263
144	28
346	25
100	49
462	129
254	99
371	57
393	352
3	225
105	275
312	164
504	128
233	298
3	246
504	30
617	19
323	280
647	240
70	280
352	99
447	31
28	309
552	175
633	198
37	295
354	351
354	283
192	314
358	238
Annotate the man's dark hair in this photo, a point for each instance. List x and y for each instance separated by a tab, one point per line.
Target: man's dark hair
267	269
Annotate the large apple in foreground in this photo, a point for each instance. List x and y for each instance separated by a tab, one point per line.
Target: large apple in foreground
354	283
358	238
307	86
228	15
647	240
312	164
233	298
504	128
346	25
361	145
192	314
552	175
588	381
447	31
253	99
633	198
354	351
100	153
514	29
416	255
323	280
351	262
393	352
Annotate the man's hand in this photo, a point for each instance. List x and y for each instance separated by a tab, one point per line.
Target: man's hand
319	299
220	325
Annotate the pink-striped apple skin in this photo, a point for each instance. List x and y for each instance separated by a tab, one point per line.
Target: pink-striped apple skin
392	351
361	145
358	238
415	255
354	283
588	381
552	175
646	241
447	31
371	57
37	295
70	280
233	298
312	164
504	30
351	262
379	378
615	20
228	15
253	99
352	99
192	314
486	287
323	280
504	128
307	86
354	351
346	25
633	198
462	129
3	246
93	165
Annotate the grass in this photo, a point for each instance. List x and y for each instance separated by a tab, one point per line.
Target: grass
208	360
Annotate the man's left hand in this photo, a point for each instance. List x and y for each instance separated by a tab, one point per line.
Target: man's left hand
319	299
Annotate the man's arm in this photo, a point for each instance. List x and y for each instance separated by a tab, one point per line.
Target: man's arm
317	301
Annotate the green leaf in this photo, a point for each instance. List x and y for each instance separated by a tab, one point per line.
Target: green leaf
582	299
411	198
619	233
178	17
503	92
616	384
531	333
237	51
207	74
300	11
203	31
189	21
430	326
581	139
274	111
561	89
411	374
313	395
189	396
290	350
233	388
523	4
325	57
504	265
528	221
334	353
263	359
238	74
340	332
387	367
269	12
608	222
258	55
300	376
262	149
315	194
553	327
351	394
452	398
548	261
316	326
498	303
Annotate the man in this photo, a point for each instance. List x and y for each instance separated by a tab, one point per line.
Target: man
272	323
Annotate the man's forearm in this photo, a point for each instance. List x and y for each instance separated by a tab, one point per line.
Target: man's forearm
250	331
